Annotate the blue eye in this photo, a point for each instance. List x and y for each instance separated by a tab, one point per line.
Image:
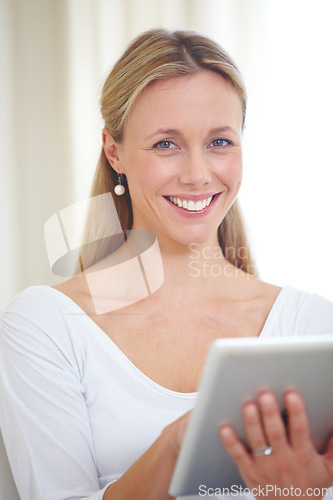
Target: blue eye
164	145
220	143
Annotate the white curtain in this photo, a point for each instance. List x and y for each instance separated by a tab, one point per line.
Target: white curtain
54	55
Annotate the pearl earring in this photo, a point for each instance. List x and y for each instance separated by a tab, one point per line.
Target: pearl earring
119	189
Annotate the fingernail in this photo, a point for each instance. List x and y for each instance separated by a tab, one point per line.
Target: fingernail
267	399
292	398
250	409
225	432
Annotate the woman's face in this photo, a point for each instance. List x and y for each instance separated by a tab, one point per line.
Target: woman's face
182	156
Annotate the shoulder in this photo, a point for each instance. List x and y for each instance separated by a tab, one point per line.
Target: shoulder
77	290
40	319
315	313
35	303
306	303
303	313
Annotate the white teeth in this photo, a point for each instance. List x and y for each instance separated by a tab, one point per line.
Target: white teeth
190	205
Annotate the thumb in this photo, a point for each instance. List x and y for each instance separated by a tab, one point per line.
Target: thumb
182	424
329	451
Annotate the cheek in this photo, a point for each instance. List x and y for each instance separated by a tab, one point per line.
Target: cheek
156	172
231	172
147	177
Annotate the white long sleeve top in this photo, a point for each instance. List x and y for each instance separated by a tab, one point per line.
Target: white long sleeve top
75	413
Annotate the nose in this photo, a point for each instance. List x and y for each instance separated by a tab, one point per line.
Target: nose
195	171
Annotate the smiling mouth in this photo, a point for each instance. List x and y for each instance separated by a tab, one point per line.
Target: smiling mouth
190	205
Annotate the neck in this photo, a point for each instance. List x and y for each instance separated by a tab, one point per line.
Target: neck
196	269
175	274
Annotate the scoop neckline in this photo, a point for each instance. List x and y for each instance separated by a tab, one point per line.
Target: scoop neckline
102	337
108	343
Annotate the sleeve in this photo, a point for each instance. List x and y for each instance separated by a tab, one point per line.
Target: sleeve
316	316
43	416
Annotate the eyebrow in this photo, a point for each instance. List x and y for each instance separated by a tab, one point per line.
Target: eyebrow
173	131
164	131
222	130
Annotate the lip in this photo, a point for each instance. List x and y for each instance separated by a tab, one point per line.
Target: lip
191	214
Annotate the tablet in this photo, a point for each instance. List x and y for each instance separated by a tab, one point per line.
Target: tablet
236	370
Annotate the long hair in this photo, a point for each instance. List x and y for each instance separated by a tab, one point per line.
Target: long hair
157	55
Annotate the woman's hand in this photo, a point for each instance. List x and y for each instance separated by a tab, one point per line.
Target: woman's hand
293	462
149	477
176	430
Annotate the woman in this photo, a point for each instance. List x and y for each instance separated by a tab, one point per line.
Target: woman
95	405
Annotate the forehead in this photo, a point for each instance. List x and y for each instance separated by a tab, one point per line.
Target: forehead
204	99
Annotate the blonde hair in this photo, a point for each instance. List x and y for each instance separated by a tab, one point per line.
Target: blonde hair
156	55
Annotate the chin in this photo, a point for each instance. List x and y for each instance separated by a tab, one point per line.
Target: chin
199	239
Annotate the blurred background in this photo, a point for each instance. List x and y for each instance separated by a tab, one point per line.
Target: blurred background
54	56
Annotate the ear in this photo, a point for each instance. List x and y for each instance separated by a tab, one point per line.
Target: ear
111	150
